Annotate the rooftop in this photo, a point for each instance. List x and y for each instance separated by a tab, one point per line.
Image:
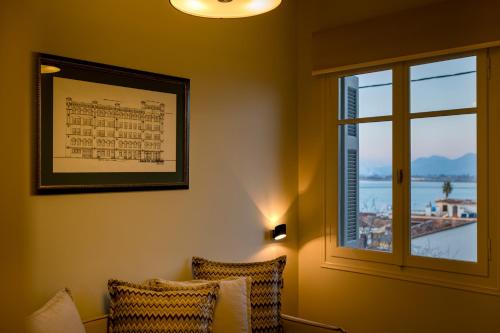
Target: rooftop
457	201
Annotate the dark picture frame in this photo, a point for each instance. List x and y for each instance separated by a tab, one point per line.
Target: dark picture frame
108	128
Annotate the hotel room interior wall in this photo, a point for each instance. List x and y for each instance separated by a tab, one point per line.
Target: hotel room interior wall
360	302
13	169
243	156
438	26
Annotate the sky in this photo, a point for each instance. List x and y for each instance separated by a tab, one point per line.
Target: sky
450	136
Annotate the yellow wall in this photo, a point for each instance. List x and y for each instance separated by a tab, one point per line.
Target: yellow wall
444	25
359	302
13	171
243	158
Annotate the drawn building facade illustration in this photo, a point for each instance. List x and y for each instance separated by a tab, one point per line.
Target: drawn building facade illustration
113	132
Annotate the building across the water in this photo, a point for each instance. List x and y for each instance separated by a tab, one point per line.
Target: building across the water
458	208
113	132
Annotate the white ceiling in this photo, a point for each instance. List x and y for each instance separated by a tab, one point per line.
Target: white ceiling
331	13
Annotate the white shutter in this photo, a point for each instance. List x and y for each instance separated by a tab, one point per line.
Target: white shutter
349	161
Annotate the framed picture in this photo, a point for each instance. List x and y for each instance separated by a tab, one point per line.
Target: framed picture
107	128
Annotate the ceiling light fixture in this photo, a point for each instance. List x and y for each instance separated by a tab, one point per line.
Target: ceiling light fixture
225	8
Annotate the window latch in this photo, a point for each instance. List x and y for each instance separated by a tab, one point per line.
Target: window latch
400	176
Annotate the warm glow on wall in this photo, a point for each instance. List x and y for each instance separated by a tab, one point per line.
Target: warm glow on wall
46	69
225	8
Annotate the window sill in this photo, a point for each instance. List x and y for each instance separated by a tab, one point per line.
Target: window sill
489	285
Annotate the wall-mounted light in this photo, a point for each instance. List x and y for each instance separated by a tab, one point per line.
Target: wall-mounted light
279	232
225	8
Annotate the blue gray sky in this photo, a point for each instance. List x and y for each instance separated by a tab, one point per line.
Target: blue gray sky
450	136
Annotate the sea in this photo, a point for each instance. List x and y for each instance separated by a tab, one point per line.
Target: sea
376	196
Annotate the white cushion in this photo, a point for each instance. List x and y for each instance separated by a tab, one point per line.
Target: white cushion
233	308
58	315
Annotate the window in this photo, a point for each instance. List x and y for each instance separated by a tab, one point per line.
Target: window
406	165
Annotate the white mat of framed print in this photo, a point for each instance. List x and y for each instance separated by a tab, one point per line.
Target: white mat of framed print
109	128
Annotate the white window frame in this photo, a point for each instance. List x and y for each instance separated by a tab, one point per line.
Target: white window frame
331	87
400	263
481	111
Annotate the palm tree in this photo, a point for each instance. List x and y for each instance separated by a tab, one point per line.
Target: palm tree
447	188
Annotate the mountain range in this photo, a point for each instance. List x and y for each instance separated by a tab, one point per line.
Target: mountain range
430	166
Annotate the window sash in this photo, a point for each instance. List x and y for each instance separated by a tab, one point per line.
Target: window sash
481	266
330	88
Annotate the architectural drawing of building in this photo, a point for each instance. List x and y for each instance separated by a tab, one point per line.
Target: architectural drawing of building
113	132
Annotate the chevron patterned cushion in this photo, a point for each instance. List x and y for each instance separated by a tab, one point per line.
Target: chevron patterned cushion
233	309
265	296
139	308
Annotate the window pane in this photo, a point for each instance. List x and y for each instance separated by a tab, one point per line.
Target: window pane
443	85
365	185
444	187
366	95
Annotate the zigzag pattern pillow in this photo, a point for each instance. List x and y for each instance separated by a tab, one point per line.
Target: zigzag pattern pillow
143	309
267	282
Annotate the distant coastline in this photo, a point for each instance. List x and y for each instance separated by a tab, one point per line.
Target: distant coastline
427	178
427	169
